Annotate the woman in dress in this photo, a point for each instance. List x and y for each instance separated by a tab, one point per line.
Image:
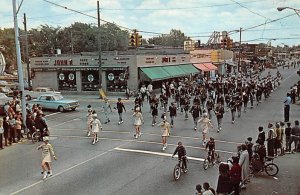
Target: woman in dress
165	128
96	126
206	123
138	120
47	150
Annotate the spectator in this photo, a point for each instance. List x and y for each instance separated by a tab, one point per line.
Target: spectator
261	136
249	145
6	128
1	133
295	134
244	163
287	133
235	175
271	140
208	190
224	184
199	189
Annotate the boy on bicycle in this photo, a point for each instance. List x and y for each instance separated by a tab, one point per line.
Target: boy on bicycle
211	148
181	155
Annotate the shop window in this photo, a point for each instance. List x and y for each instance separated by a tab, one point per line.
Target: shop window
67	81
116	80
90	80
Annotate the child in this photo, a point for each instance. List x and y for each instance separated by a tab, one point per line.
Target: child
206	124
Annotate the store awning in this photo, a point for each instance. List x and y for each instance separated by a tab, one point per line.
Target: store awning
202	67
210	66
189	69
174	71
156	73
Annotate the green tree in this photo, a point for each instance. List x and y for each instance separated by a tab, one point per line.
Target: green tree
175	38
7	41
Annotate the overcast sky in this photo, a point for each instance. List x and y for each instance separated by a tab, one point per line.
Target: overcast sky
196	18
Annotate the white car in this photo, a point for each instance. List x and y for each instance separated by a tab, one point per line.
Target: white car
39	91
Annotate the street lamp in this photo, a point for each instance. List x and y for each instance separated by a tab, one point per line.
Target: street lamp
296	10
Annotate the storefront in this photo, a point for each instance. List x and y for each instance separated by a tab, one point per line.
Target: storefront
66	80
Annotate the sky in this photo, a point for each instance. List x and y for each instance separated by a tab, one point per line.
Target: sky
198	19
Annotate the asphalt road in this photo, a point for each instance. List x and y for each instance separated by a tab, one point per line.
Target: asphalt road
120	164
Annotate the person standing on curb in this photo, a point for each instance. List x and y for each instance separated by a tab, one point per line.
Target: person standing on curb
235	175
287	133
244	163
138	121
120	108
295	135
1	133
287	103
165	128
96	127
271	140
47	150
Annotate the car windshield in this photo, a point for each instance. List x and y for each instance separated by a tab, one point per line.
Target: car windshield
58	97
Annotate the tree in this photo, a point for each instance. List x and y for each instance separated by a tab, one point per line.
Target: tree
7	41
175	38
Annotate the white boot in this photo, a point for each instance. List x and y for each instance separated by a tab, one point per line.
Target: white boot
49	173
45	175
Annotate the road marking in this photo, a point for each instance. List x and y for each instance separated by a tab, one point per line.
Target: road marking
52	114
155	153
139	141
153	134
66	170
74	119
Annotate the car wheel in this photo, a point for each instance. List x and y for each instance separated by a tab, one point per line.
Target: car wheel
73	109
60	108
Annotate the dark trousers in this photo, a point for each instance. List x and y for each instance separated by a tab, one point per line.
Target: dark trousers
12	137
1	139
18	131
286	113
271	147
236	189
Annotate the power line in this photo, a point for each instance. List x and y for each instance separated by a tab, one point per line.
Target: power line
82	13
174	8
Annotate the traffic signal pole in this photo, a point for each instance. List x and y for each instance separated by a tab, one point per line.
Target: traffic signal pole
99	46
19	62
26	50
240	50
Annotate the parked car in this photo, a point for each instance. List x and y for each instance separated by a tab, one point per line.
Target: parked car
3	99
7	91
39	91
55	102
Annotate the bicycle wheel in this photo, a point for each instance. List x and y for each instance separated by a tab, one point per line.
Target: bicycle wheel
176	172
217	158
205	164
271	169
35	137
28	135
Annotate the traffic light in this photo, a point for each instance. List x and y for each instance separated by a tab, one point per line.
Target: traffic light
132	40
139	39
229	43
225	43
222	43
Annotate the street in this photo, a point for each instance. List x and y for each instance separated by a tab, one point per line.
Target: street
120	164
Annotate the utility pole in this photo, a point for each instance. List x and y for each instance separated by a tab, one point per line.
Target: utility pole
26	50
19	61
240	50
99	46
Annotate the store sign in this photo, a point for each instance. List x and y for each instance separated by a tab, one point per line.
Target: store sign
90	78
111	76
63	62
61	76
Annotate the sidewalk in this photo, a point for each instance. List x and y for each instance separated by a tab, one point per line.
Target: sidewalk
286	181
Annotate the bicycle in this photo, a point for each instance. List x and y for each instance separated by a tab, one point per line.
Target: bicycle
178	169
208	162
270	168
